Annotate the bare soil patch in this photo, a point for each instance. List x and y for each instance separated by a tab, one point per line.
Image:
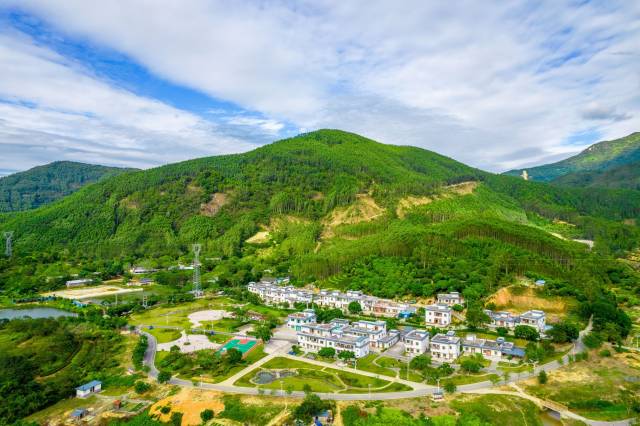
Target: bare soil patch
364	209
407	203
520	299
189	402
218	200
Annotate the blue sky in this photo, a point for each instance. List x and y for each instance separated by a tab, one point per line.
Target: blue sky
141	83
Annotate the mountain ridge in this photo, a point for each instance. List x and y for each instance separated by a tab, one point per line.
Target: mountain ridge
599	157
44	184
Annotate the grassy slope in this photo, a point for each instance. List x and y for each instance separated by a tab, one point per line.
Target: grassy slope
601	156
44	184
626	176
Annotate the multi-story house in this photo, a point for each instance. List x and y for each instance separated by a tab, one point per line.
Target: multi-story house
535	319
450	299
313	337
296	320
272	293
438	315
494	350
416	342
445	347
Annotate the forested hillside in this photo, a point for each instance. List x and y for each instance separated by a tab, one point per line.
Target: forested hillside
330	206
598	158
626	176
45	184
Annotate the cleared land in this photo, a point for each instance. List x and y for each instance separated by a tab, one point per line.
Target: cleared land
519	299
92	292
598	389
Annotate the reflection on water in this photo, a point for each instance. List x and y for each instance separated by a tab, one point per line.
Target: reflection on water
550	418
35	313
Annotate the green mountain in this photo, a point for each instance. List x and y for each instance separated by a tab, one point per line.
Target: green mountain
45	184
626	176
329	206
590	167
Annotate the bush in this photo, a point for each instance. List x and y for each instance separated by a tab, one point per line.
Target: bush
592	340
138	352
311	406
450	387
605	353
141	387
502	331
207	415
471	365
526	332
542	377
164	376
327	352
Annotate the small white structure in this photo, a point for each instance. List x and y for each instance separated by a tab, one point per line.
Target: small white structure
88	388
296	320
438	315
450	299
445	347
79	283
416	342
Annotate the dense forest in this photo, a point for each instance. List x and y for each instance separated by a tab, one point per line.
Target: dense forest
334	208
44	184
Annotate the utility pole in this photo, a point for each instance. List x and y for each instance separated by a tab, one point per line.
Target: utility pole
8	235
197	290
144	301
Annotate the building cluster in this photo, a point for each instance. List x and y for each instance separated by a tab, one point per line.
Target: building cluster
362	337
358	337
273	294
534	318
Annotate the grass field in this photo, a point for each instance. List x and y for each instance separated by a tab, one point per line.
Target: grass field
62	407
164	335
320	379
498	409
597	389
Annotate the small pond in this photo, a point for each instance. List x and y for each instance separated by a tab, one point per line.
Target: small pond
266	377
35	313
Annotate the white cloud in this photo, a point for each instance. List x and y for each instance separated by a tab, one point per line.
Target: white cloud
53	109
495	85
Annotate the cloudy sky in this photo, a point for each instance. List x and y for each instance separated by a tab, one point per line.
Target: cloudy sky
146	82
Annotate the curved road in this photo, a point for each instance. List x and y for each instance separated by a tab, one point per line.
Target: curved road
420	389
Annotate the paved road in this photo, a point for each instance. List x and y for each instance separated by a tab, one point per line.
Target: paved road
419	389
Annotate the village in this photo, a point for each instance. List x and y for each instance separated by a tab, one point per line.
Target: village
361	337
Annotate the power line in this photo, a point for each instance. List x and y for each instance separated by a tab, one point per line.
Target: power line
197	289
8	235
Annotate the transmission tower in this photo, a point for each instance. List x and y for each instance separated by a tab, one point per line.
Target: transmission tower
197	289
7	247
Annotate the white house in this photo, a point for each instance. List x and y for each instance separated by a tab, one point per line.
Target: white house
445	347
79	283
88	388
313	337
450	299
438	315
535	319
494	350
298	319
416	342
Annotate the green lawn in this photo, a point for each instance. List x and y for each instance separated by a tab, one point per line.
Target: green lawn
320	379
62	407
465	379
367	364
513	368
164	335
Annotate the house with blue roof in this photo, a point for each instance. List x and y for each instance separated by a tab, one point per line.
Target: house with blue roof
88	388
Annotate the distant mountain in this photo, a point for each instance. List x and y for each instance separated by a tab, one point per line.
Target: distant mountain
45	184
606	164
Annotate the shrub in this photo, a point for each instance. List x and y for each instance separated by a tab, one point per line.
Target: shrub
327	352
526	332
450	387
164	376
207	415
141	387
542	377
605	353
